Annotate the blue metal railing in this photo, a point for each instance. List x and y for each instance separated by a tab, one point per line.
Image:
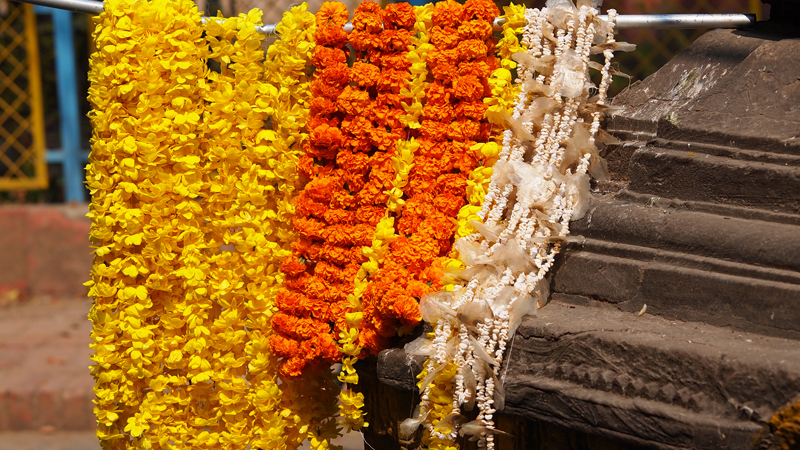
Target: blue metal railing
69	155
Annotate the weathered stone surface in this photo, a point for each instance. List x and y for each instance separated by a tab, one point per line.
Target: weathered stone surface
685	264
729	87
641	380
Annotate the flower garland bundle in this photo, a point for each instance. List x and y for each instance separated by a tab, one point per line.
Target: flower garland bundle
304	335
382	40
287	407
387	53
144	176
225	315
439	392
539	184
452	122
252	180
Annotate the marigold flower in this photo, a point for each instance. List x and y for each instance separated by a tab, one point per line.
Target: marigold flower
355	163
364	75
439	57
370	214
320	88
445	38
396	61
475	29
472	49
447	13
305	206
336	74
322	106
292	366
433	130
445	73
453	184
480	10
398	15
333	14
395	40
469	88
292	266
364	41
480	69
436	93
464	130
331	36
367	17
328	56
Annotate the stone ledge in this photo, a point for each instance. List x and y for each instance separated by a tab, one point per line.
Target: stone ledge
642	380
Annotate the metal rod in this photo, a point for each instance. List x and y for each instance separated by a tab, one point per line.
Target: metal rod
81	6
661	21
624	22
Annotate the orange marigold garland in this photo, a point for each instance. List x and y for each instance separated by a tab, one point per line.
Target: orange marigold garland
388	52
381	71
302	335
317	273
451	122
355	126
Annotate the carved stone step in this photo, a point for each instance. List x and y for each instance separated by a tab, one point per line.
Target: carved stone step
689	174
728	88
687	265
642	380
678	229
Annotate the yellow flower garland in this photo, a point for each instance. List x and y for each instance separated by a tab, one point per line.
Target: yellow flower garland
403	160
144	176
240	190
297	409
421	45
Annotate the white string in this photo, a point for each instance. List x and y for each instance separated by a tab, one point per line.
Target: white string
365	440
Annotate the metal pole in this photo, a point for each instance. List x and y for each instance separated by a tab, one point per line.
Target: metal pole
68	109
81	6
624	22
662	21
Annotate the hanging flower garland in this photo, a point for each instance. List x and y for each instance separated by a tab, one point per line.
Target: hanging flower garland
144	176
452	121
439	392
506	262
304	335
225	285
286	406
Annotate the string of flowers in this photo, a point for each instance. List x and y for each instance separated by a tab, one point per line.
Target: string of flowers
544	162
460	62
303	334
390	166
442	390
304	339
239	245
144	176
286	406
